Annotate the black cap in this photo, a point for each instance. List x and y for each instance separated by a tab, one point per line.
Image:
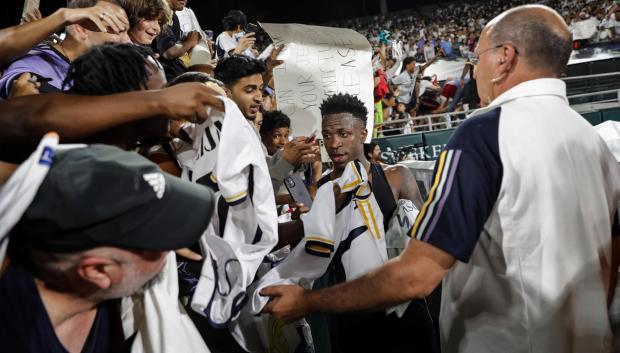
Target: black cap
103	196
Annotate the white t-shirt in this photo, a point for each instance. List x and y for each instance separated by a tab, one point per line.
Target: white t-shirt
188	20
405	82
224	43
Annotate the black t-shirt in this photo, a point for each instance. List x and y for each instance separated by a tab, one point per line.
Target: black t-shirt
167	38
26	327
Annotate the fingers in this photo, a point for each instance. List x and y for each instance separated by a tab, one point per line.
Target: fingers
188	254
26	84
26	76
94	18
269	308
116	14
273	291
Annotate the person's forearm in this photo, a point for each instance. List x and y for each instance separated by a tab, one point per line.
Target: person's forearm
16	41
390	285
177	50
289	233
26	119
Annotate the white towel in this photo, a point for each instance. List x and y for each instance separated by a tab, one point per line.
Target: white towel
158	319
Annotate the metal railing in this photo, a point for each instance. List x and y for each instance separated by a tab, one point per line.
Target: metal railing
448	121
607	74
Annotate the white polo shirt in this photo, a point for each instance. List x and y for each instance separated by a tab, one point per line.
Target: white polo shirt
524	196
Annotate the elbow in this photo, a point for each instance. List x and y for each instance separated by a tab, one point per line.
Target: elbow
421	287
419	282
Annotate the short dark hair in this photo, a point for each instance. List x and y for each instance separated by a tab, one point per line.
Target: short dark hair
274	120
369	148
109	69
344	103
233	19
236	67
81	4
138	10
194	76
408	60
538	42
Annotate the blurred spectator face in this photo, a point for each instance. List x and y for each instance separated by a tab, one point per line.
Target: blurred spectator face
376	153
177	5
276	139
258	122
344	137
144	32
410	67
267	104
247	93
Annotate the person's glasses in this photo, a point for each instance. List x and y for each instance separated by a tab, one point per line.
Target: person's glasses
477	56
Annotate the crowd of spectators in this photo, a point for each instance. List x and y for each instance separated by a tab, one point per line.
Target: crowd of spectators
450	32
171	135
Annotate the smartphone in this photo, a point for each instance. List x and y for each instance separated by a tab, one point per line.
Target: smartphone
311	137
296	187
251	27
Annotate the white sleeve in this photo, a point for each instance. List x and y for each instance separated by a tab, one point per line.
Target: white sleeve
225	42
301	266
194	20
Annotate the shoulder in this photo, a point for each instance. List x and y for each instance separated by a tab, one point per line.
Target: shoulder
479	129
397	175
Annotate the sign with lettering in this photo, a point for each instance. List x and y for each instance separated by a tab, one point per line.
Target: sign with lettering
318	62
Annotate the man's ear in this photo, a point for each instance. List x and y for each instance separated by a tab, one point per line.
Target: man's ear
363	135
507	59
100	271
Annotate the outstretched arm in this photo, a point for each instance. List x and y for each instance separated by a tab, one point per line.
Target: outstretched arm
16	41
414	274
26	119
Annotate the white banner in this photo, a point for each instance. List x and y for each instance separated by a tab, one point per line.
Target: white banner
318	62
584	29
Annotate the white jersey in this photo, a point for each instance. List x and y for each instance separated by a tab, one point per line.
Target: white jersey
243	229
524	196
353	236
156	320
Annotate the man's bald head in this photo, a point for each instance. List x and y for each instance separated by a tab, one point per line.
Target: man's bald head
538	32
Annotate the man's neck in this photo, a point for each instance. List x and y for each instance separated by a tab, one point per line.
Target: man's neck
337	172
71	316
71	48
